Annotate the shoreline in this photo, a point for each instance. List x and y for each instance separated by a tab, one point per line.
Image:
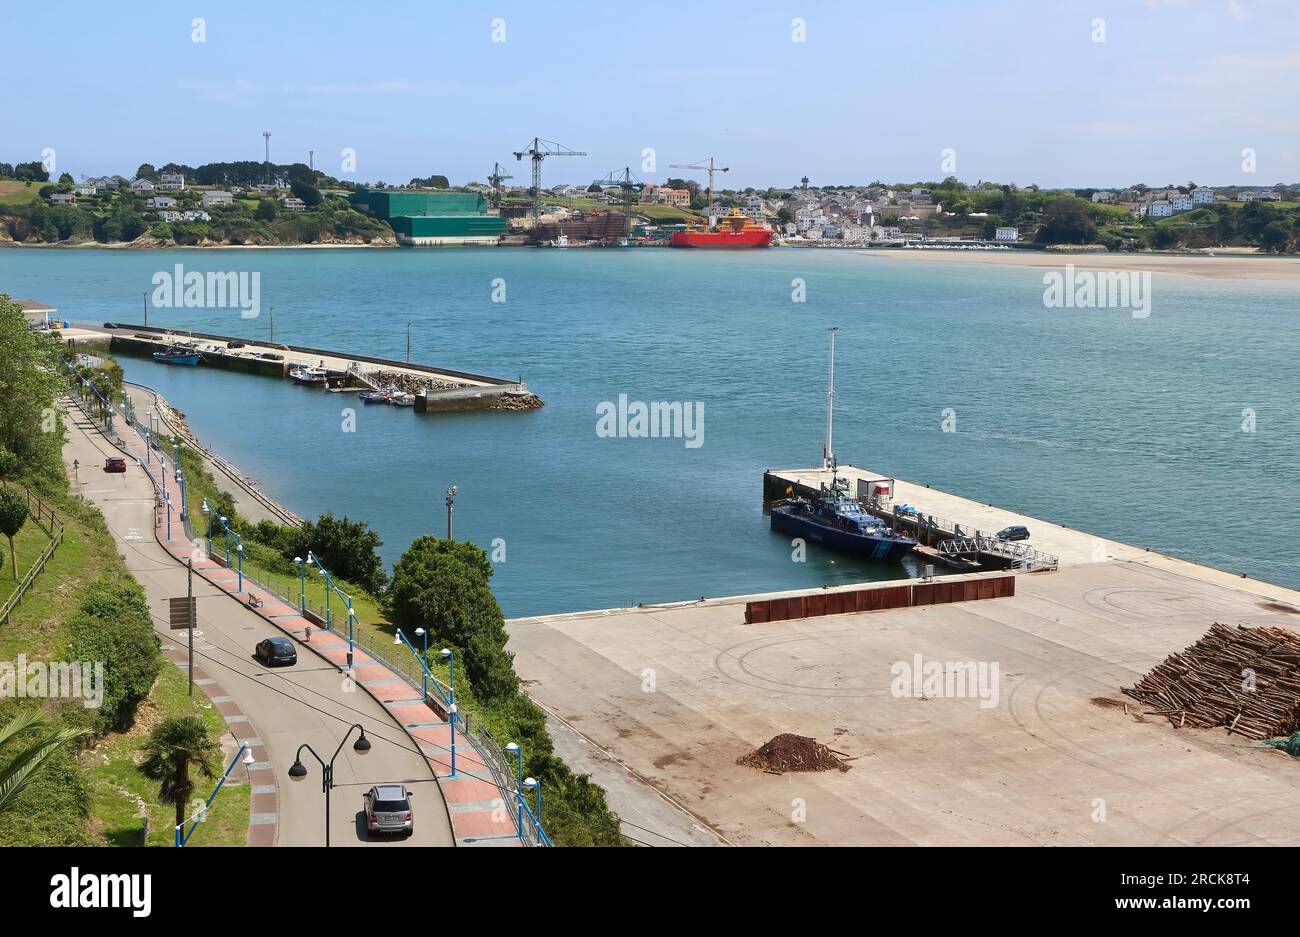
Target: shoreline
1225	265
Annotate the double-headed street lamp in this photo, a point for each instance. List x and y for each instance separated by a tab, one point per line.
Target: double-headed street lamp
302	582
424	671
451	664
299	771
451	496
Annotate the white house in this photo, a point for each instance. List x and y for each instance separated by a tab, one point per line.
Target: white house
1202	195
890	232
216	197
195	215
62	198
172	181
1006	234
1101	197
1182	203
169	216
1261	195
1160	210
161	201
141	186
291	203
85	188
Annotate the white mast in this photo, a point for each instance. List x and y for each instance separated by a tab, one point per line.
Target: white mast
828	457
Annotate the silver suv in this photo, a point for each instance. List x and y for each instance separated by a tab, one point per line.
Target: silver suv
388	809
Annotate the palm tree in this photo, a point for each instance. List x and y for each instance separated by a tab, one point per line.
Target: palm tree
177	745
21	770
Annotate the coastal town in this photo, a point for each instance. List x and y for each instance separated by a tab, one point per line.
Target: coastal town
297	204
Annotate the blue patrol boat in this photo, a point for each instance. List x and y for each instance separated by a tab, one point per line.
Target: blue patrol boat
833	518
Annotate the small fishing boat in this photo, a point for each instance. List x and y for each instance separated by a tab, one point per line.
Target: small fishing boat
177	354
401	399
312	377
374	396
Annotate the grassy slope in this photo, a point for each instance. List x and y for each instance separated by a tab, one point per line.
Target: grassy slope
19	193
39	629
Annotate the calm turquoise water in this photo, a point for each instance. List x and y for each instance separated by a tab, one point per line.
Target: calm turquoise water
1128	428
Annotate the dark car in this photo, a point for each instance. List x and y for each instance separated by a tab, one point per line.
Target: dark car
276	651
388	809
234	344
115	463
1014	532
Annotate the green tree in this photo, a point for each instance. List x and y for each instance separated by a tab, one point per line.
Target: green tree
179	745
28	381
8	466
24	766
349	549
442	586
265	210
1066	221
13	514
1276	236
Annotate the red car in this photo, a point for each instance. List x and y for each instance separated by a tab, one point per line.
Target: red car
115	463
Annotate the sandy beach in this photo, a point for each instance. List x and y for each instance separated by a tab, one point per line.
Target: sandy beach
1223	265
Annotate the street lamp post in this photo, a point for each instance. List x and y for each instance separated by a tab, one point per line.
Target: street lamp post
299	771
424	671
533	784
226	528
239	553
167	496
451	664
451	496
211	517
519	780
451	720
302	584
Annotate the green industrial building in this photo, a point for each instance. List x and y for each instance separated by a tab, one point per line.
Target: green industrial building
432	218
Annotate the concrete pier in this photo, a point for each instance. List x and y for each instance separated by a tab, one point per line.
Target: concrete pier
436	389
671	695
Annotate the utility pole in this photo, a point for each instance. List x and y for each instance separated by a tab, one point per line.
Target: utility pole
189	610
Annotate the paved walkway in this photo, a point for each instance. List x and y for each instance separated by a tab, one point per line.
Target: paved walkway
480	812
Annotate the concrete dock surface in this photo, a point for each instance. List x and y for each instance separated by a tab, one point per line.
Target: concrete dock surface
673	695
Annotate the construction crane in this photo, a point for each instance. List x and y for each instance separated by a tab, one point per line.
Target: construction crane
539	149
710	167
629	186
498	176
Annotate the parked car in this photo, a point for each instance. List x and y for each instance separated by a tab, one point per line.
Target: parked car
115	463
235	344
275	651
388	809
1014	532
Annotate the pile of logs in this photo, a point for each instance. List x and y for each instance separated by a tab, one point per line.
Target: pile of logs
1247	679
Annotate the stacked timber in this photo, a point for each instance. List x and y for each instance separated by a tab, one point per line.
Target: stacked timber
1246	679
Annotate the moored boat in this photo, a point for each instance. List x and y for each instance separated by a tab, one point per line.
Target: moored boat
733	230
832	517
374	396
401	399
312	377
177	354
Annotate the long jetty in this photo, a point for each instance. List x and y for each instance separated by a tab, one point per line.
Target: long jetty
435	389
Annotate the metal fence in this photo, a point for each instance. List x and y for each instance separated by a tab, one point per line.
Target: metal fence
47	521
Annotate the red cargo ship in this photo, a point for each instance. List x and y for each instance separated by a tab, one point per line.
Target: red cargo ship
733	230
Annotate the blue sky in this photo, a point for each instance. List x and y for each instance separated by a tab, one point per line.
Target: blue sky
1017	88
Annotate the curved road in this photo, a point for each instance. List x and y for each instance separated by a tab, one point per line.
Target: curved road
308	702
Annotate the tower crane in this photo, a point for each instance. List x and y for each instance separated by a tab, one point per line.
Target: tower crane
498	176
710	167
629	186
539	149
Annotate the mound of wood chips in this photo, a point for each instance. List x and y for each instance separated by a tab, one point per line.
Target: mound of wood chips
787	752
